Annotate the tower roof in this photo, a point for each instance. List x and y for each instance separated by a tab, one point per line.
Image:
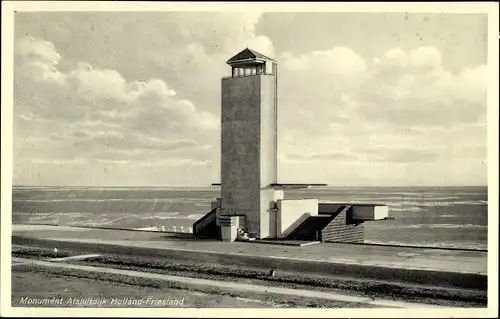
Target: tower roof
246	55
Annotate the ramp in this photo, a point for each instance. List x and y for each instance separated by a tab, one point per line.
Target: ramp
206	227
310	229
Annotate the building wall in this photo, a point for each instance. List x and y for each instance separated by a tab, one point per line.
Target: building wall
268	127
364	212
268	217
329	207
267	227
291	213
240	143
375	212
216	205
341	230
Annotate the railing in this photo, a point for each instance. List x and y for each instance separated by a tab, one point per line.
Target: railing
168	229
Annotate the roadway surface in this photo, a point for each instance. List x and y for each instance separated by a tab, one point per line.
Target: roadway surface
440	260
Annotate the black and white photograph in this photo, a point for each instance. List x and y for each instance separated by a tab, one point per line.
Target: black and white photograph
169	158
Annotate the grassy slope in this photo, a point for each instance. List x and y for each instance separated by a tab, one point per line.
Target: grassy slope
46	285
119	286
367	288
372	289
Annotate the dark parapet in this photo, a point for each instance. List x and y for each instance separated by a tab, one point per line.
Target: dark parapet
310	229
336	226
319	228
206	227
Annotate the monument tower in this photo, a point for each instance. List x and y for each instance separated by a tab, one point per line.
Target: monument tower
249	141
251	205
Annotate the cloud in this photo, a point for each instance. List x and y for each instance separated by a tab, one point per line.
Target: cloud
37	52
118	96
402	98
163	162
101	97
339	61
58	161
338	156
401	154
98	109
413	89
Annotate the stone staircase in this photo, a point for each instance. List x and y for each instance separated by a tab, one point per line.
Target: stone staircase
310	229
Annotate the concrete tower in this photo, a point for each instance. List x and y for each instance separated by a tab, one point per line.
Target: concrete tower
251	205
249	142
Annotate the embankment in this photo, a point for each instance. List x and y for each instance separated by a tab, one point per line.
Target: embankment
444	279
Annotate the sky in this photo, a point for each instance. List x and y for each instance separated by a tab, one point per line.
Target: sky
365	99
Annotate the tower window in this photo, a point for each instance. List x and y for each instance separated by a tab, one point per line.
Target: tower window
259	69
248	70
268	67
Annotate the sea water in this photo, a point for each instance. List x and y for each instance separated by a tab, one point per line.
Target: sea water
425	216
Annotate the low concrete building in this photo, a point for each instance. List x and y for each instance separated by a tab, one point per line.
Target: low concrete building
251	197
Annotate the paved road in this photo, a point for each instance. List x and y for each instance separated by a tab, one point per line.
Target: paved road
457	261
231	286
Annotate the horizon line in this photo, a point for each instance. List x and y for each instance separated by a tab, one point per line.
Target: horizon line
214	186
